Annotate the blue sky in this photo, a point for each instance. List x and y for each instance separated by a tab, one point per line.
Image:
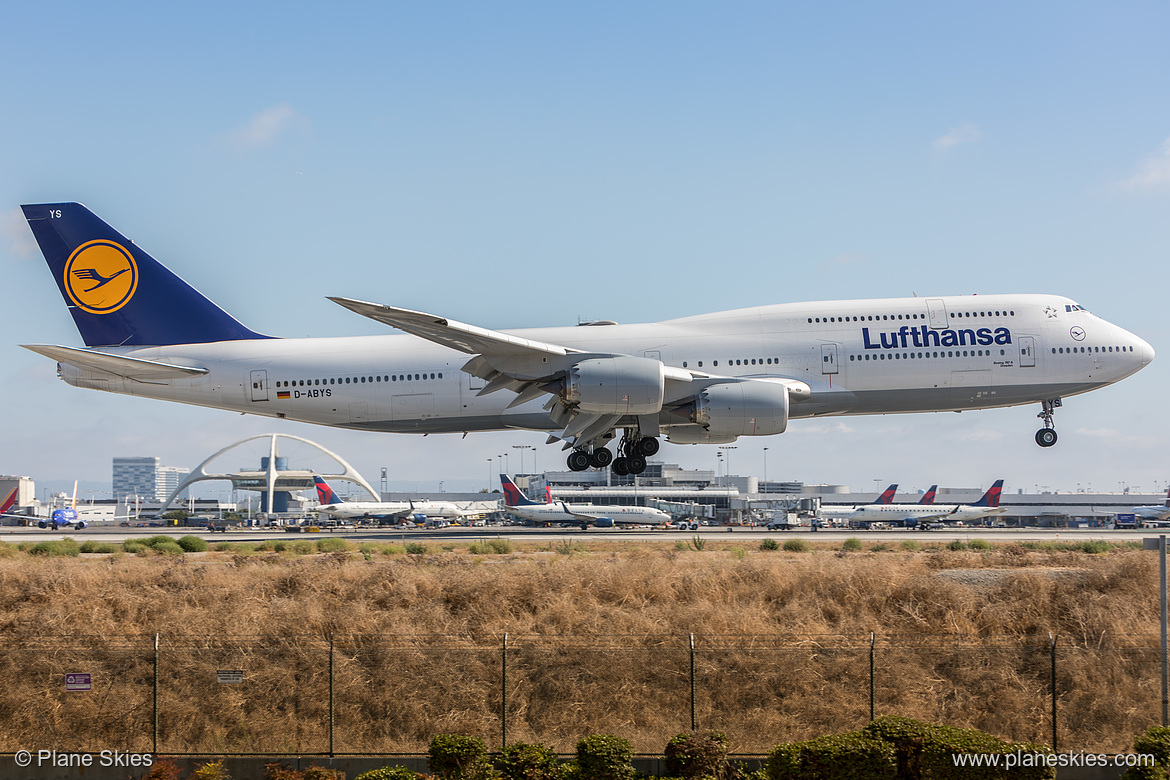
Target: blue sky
524	164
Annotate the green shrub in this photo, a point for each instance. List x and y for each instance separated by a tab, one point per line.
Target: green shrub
1095	546
605	757
854	755
60	548
389	773
132	546
456	757
304	547
696	755
928	750
796	545
1153	741
911	546
681	546
879	547
90	546
957	545
979	544
769	544
490	547
191	543
168	547
7	550
852	544
332	544
416	548
524	761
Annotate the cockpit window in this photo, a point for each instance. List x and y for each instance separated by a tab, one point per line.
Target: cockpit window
1074	307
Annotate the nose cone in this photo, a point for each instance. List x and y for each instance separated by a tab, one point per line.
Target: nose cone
1147	352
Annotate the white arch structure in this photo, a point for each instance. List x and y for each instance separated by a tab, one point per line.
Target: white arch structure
200	474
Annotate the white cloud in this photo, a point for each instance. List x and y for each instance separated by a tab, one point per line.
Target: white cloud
263	128
14	231
960	134
1154	172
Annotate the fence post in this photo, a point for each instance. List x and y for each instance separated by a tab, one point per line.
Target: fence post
332	719
1052	654
871	676
154	741
504	693
692	683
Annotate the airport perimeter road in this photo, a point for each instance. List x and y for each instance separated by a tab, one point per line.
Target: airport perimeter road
738	535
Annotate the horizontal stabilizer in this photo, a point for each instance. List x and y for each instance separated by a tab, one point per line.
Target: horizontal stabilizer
118	365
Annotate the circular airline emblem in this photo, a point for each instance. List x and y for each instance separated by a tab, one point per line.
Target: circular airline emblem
1078	334
101	276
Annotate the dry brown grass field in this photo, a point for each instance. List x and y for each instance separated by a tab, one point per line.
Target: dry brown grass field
598	641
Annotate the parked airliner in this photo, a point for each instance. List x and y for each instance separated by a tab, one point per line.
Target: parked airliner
333	505
912	514
708	378
600	515
1154	512
845	511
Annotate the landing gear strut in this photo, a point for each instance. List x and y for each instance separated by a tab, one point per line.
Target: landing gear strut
633	451
1046	436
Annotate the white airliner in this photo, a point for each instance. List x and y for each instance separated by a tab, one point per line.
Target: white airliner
845	511
912	514
333	505
1154	512
709	378
600	515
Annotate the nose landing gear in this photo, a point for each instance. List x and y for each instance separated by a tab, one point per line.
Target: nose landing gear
1046	436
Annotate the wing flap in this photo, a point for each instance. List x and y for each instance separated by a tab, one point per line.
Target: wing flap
118	365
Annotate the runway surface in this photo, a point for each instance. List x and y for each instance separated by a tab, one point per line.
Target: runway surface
737	534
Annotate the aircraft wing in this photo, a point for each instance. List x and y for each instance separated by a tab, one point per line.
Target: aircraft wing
469	339
118	365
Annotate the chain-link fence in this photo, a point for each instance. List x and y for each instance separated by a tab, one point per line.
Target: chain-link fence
388	695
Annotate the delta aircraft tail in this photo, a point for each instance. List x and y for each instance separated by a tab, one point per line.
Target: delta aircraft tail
928	496
991	497
888	496
513	495
325	494
117	293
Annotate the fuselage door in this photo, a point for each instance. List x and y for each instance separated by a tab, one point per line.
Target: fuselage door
259	381
938	313
828	358
1027	351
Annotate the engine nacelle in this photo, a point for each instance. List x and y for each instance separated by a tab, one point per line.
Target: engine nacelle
742	409
616	385
692	434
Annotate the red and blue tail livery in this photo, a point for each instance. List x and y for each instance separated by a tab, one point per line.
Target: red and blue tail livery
117	293
325	494
991	497
513	495
928	497
887	497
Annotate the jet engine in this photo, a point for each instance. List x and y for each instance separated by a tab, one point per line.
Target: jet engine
741	409
615	385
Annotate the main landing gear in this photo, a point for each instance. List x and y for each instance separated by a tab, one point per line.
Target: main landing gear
1046	436
631	459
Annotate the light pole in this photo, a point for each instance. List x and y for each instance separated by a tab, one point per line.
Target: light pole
727	463
523	447
504	460
719	468
489	482
765	490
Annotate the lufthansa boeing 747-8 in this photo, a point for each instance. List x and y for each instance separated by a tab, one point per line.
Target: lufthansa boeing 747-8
708	378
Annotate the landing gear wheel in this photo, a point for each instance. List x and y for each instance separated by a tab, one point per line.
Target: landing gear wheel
578	460
1046	437
600	458
636	464
620	466
647	447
